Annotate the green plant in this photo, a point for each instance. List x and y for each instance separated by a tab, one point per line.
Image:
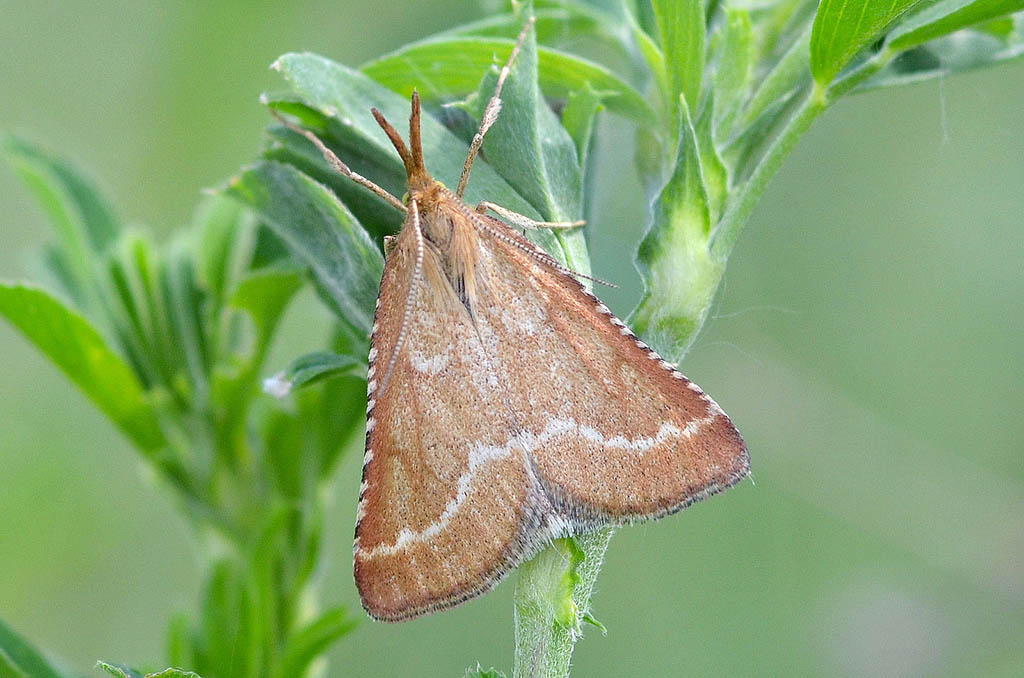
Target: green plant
170	342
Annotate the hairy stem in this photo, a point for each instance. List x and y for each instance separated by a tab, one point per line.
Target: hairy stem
552	601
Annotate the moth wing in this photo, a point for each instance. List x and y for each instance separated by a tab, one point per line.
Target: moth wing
447	497
615	433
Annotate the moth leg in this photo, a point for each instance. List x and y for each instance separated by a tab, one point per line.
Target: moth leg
390	242
523	221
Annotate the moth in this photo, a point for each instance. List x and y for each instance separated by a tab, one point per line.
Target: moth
507	406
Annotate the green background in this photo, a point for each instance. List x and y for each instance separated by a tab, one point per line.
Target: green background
868	341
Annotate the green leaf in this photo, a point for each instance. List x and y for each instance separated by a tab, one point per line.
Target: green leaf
955	53
221	624
267	588
320	232
566	612
445	68
484	673
348	95
682	30
79	350
558	21
313	640
85	221
8	669
119	670
774	22
947	16
842	28
578	118
1002	28
283	439
179	640
334	415
715	173
782	81
264	295
732	75
379	217
133	303
225	234
310	369
19	658
184	302
650	53
680	277
588	618
537	155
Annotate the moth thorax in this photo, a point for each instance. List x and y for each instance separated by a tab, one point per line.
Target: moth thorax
435	220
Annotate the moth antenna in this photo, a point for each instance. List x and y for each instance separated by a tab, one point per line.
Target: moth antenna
532	250
492	109
337	165
396	141
415	138
414	213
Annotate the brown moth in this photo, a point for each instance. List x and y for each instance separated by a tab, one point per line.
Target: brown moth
507	406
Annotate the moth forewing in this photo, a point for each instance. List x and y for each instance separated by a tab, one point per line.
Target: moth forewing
432	463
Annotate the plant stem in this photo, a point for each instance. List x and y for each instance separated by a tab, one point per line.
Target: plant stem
740	206
552	599
865	71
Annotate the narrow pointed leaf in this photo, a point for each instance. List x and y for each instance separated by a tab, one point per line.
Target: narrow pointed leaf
119	670
82	215
309	369
19	658
557	21
682	31
947	16
264	294
313	640
842	28
334	415
320	232
680	277
446	68
184	301
579	117
8	669
732	77
379	217
85	223
225	234
538	157
479	672
714	172
78	349
348	95
782	81
955	53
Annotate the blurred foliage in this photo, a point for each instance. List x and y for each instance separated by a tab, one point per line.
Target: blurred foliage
171	342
